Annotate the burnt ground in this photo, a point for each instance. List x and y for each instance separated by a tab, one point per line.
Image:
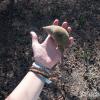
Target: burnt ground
79	77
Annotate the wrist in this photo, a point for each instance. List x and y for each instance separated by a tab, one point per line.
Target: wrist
36	77
37	65
44	62
42	72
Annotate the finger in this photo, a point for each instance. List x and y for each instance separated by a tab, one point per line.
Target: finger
71	41
49	40
56	22
34	37
46	40
69	29
65	25
59	56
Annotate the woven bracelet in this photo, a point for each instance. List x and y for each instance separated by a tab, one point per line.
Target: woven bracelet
44	76
40	71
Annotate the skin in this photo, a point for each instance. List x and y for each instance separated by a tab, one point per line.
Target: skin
46	54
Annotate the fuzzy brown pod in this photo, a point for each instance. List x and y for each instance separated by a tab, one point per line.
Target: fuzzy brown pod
59	34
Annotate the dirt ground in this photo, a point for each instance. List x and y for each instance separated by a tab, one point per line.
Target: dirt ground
79	77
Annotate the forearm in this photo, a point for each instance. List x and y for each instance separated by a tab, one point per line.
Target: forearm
28	89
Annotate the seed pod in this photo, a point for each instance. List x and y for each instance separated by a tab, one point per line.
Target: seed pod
59	34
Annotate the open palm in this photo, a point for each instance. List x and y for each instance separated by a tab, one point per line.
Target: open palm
47	53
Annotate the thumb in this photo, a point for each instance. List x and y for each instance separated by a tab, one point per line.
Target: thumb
34	37
35	42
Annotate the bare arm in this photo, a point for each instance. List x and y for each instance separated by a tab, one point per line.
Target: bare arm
28	89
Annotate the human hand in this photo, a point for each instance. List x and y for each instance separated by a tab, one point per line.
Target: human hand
47	53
